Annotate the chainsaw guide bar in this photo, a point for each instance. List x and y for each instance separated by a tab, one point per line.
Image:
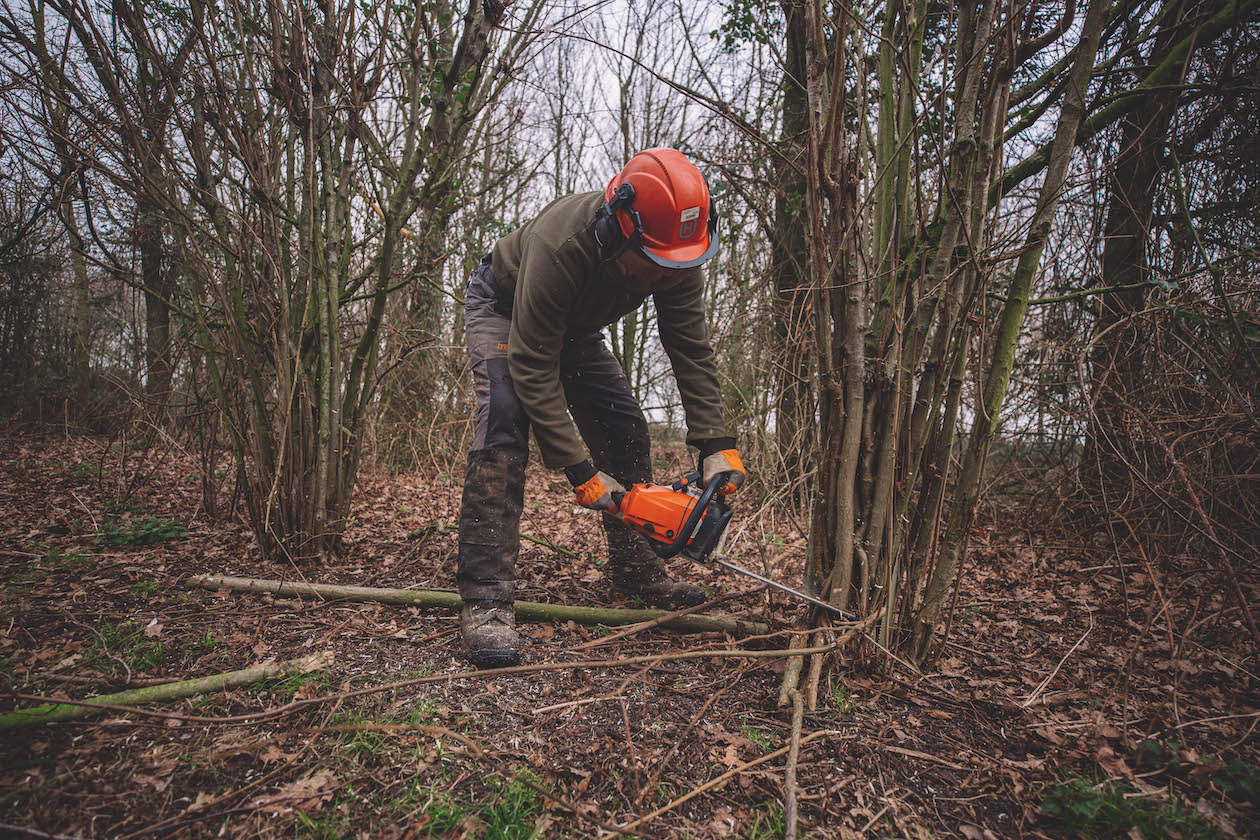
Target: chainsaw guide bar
681	519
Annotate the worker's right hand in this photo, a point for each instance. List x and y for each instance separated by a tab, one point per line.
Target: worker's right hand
594	489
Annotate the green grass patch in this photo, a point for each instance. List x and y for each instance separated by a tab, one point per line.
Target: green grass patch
27	576
768	824
117	505
423	799
1237	780
85	469
1101	809
58	559
144	530
364	747
758	736
284	688
839	696
507	810
54	559
126	642
205	643
325	825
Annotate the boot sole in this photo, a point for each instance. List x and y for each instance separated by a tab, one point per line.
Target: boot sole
494	658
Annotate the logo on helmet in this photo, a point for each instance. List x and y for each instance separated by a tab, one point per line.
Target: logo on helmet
688	222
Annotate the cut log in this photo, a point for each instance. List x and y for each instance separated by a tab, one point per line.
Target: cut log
525	610
162	693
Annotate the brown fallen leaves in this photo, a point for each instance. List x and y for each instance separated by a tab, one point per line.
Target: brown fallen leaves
302	794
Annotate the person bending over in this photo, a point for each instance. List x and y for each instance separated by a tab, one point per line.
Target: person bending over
534	311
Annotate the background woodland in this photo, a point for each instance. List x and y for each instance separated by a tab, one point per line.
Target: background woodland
956	237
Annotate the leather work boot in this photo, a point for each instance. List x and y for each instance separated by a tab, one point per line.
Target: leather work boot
489	632
638	572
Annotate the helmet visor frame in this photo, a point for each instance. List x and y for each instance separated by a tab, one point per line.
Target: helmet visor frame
666	262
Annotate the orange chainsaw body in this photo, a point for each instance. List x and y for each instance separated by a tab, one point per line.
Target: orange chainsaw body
674	520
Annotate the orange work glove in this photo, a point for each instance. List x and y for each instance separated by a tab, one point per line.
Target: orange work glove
718	456
593	489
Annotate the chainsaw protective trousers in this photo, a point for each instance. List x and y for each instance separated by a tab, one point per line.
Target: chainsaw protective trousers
607	416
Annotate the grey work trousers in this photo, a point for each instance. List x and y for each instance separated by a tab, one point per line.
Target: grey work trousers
603	407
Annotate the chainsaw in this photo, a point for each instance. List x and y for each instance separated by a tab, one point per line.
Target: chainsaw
680	518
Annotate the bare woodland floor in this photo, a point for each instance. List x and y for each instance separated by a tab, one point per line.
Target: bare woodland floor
1034	722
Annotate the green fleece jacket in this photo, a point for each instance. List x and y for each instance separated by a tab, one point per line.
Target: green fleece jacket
549	268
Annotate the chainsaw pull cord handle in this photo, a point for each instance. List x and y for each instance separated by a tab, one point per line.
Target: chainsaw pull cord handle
697	511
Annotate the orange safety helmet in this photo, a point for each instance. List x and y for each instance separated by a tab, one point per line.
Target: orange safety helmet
659	206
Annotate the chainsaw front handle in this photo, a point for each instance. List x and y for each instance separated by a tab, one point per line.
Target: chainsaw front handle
697	512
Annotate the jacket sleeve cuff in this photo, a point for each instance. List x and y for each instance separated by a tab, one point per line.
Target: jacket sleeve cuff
579	474
712	445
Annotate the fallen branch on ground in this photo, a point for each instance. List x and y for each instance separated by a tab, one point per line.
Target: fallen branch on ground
60	710
493	673
525	610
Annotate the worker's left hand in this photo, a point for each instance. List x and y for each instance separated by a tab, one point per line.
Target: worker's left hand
718	456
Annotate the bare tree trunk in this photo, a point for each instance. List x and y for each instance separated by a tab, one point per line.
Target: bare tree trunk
989	408
838	295
81	359
158	291
789	259
1118	355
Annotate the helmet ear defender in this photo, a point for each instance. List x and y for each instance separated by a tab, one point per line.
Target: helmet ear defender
613	242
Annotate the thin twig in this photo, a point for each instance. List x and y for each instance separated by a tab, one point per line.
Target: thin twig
691	724
1031	698
23	831
872	820
477	752
1207	525
634	754
794	753
792	673
1216	719
659	620
815	674
707	786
